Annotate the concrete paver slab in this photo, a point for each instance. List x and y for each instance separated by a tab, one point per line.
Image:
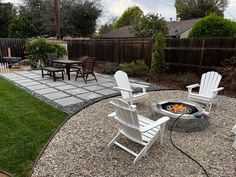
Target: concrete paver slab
93	87
46	91
108	84
89	96
65	87
76	91
30	83
37	87
56	95
106	92
68	101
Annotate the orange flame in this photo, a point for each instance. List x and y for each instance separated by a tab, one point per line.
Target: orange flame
178	108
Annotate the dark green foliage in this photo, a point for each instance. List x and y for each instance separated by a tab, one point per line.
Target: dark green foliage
20	27
189	9
213	26
7	13
37	49
78	18
158	55
128	17
149	25
105	28
26	124
111	68
137	68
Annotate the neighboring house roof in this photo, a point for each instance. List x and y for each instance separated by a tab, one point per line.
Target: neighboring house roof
175	28
122	32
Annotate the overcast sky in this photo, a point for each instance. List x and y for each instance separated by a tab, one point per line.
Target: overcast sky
114	8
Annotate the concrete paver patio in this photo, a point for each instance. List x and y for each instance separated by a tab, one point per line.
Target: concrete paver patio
68	95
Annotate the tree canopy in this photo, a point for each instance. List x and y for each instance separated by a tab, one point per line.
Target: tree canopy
128	17
149	25
189	9
20	27
7	13
78	18
213	26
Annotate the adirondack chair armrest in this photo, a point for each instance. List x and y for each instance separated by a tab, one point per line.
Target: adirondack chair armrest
217	90
139	86
123	89
155	124
190	87
113	114
234	129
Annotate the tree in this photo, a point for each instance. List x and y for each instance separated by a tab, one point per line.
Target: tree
128	17
7	13
189	9
78	18
213	26
158	56
20	27
149	25
107	27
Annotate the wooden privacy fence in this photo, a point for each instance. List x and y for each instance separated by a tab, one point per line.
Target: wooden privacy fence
182	55
112	50
198	55
16	46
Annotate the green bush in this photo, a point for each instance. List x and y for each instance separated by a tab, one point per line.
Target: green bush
111	68
213	26
158	55
137	68
37	50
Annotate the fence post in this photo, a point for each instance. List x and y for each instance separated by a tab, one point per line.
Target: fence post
202	55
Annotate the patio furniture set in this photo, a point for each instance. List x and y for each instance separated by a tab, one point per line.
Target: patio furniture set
83	67
145	131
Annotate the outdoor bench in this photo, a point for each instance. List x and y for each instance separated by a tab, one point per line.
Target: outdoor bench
51	71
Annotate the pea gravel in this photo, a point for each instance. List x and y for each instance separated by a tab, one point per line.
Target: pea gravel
80	147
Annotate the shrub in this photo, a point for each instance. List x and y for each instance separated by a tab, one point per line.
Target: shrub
187	79
158	55
229	74
137	68
37	50
111	68
213	26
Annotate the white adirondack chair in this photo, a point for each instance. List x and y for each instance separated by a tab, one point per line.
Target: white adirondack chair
124	86
136	127
208	89
234	131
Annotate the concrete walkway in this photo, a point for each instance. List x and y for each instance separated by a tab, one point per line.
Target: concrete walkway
69	96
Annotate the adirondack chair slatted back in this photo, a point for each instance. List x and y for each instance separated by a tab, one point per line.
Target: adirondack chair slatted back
123	82
209	81
128	119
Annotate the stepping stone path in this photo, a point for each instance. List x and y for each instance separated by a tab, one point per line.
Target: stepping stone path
69	96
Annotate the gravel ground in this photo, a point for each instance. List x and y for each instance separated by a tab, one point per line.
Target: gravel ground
80	147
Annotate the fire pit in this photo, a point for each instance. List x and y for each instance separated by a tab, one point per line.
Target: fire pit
194	118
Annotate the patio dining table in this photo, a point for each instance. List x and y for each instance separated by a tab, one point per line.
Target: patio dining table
68	64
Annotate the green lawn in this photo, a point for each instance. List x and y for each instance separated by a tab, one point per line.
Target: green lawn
26	123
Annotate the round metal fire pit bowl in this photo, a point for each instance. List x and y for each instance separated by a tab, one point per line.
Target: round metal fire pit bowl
193	122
